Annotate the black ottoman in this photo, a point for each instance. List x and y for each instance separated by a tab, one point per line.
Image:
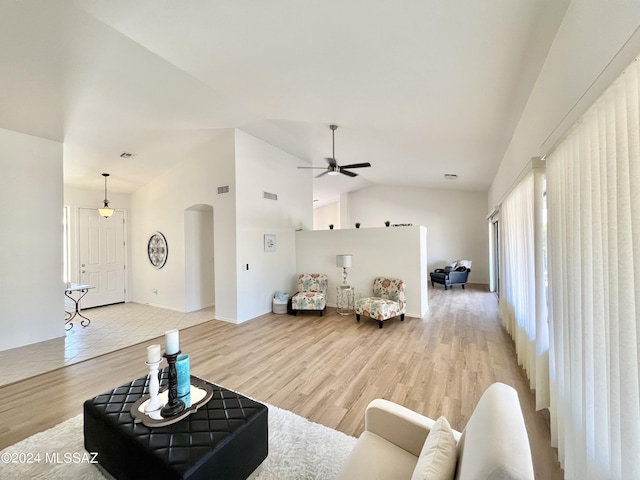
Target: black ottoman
227	438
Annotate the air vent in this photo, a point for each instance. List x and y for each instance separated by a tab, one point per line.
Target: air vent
269	196
127	155
450	176
223	189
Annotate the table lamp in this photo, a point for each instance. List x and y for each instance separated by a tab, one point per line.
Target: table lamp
344	262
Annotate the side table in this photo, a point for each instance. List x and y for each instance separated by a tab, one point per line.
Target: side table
83	290
345	300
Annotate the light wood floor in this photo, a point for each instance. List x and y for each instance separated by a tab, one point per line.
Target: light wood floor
326	369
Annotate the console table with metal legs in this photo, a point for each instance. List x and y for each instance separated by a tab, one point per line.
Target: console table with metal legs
82	290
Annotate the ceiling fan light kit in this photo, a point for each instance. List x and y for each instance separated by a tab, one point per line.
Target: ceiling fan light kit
333	168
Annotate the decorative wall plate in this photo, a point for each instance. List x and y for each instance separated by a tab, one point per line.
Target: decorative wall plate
157	250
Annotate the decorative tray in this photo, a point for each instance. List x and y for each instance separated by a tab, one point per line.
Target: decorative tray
201	393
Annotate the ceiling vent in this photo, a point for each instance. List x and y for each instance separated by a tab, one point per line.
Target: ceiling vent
450	176
269	196
127	155
223	189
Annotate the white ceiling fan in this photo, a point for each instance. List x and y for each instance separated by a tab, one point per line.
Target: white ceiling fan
333	168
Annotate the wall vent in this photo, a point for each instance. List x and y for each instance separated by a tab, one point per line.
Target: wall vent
269	196
223	189
450	176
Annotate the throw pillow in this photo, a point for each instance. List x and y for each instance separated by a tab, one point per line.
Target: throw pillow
438	457
464	263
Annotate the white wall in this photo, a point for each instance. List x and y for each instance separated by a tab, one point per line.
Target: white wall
160	206
31	284
397	252
261	167
326	215
240	219
596	40
455	220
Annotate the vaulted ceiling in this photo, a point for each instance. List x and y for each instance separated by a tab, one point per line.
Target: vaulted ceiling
418	88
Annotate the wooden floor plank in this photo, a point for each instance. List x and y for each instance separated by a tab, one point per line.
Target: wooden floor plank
326	369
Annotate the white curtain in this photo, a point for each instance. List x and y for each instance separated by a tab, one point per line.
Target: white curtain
593	190
525	321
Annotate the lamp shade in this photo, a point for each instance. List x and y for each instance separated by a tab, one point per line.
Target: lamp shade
105	212
344	261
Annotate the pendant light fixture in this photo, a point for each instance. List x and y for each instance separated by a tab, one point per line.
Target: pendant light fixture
106	211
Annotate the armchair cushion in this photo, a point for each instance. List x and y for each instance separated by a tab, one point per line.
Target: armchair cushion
391	461
377	308
308	301
312	282
391	289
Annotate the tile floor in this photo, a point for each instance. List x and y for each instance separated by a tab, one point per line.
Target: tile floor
112	327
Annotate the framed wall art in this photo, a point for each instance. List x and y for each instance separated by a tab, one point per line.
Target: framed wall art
269	243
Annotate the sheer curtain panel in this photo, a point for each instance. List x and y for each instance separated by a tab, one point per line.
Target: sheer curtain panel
517	299
593	192
522	315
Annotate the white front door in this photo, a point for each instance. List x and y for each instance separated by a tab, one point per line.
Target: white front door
101	256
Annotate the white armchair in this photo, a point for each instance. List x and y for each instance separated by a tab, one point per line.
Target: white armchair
494	443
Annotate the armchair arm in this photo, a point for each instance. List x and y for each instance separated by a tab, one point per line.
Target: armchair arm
459	277
397	424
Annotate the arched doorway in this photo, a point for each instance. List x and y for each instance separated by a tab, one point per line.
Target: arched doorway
199	257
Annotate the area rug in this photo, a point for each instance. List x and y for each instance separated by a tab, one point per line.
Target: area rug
298	449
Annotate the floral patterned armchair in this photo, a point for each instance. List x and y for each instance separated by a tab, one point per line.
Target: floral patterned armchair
311	294
388	300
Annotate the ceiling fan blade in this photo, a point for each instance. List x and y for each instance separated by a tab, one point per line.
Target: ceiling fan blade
333	167
331	161
357	165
